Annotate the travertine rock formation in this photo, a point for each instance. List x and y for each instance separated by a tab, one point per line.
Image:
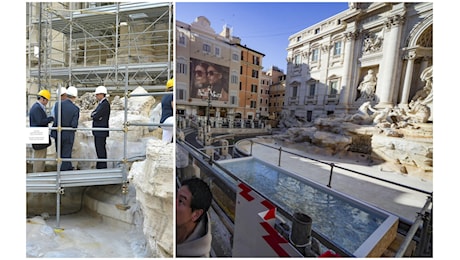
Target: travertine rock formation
154	182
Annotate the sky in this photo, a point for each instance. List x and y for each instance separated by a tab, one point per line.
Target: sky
262	26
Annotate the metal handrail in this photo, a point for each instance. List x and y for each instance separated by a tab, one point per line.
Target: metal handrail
413	229
333	165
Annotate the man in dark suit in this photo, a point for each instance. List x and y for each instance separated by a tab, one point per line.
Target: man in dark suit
68	118
100	118
39	118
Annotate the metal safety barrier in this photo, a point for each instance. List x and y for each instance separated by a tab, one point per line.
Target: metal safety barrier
45	182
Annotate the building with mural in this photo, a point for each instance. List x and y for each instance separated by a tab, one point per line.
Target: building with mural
216	77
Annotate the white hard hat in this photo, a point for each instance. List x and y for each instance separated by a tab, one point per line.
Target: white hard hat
72	91
100	90
63	91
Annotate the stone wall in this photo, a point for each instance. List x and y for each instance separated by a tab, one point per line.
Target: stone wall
154	182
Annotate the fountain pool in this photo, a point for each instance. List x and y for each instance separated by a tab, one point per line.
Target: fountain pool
356	226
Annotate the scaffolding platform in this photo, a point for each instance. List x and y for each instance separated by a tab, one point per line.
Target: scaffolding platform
46	182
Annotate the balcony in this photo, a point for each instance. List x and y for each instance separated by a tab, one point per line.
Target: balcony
331	99
293	100
310	100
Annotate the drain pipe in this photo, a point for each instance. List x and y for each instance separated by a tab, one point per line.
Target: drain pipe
300	235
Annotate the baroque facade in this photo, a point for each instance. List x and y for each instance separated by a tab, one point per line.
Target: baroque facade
329	63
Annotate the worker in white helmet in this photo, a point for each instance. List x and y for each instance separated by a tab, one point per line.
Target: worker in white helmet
61	95
100	117
68	118
167	113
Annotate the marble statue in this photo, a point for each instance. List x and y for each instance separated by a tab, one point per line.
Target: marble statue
367	86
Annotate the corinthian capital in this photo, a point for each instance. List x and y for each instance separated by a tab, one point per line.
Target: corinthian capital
394	20
351	35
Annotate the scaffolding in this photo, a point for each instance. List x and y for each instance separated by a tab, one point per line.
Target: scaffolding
91	44
86	44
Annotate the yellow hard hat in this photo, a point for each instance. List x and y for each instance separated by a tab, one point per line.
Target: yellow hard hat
45	93
170	84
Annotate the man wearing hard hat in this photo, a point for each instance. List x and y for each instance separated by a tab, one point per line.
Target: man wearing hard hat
39	118
67	116
61	95
167	112
100	118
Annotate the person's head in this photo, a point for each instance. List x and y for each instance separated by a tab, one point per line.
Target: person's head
193	201
100	93
44	96
62	92
72	92
213	74
200	75
170	85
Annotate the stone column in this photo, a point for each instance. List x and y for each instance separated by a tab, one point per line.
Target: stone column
347	98
408	78
386	82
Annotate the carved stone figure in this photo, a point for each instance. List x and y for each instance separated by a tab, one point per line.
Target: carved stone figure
373	43
367	86
418	112
425	96
362	116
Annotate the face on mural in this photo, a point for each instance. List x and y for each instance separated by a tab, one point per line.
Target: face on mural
200	76
213	75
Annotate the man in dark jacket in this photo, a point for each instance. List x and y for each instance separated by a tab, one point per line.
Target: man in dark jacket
39	118
167	113
68	118
100	118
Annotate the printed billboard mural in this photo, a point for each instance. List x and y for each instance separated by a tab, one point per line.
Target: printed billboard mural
208	80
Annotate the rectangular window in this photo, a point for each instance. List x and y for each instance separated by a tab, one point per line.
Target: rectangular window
253	88
255	60
233	100
206	48
312	90
255	74
309	115
297	59
294	91
234	79
235	57
181	94
217	51
333	87
181	68
337	48
253	104
315	55
182	39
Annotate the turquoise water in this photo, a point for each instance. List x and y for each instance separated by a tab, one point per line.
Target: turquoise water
341	220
